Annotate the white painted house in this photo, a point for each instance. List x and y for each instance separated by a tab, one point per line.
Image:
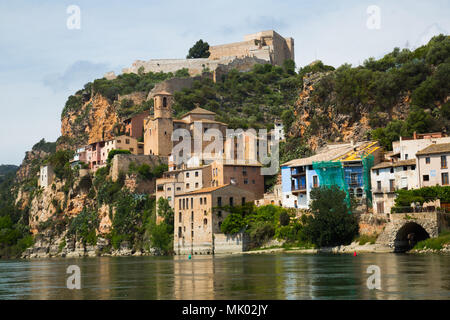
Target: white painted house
46	176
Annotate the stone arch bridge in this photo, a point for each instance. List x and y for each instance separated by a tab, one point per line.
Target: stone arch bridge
404	230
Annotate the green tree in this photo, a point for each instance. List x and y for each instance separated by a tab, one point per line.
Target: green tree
330	223
199	50
288	118
165	211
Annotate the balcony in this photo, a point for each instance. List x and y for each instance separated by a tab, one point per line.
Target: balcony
298	189
296	172
385	190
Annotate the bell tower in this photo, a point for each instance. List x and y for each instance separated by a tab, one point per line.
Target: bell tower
163	105
158	130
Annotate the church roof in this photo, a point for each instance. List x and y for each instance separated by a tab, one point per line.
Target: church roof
199	110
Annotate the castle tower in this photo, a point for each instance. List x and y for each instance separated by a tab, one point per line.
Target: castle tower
158	130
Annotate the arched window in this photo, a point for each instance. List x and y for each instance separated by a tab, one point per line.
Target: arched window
205	222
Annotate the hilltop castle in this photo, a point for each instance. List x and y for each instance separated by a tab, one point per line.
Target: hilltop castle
261	47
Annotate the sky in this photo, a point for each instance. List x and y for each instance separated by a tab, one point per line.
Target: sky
43	61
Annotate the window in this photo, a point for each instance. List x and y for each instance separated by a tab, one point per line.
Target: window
187	203
378	172
391	185
219	214
443	162
392	170
359	193
205	222
196	184
132	149
253	181
413	167
231	201
192	217
378	185
427	160
164	102
405	168
187	185
127	141
184	204
426	177
219	202
201	200
245	181
204	200
444	178
196	173
180	232
205	213
243	200
406	156
315	181
179	204
187	174
180	217
192	203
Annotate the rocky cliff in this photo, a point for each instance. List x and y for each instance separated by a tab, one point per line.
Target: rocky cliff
94	121
320	122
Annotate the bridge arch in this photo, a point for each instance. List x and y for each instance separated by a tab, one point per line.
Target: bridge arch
408	235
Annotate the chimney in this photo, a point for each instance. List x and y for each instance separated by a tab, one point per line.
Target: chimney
415	135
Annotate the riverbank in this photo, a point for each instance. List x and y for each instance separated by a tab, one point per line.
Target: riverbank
350	249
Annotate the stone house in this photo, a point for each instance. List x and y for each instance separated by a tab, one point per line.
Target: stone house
388	177
245	176
134	126
199	216
46	176
432	165
123	142
406	148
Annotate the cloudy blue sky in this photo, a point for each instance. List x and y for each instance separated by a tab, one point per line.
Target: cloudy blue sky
42	62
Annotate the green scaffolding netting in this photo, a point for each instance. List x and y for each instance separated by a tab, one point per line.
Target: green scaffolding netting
367	163
332	173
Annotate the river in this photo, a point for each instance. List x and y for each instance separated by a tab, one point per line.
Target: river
239	277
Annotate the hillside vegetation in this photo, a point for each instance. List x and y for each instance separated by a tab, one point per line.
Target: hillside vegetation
403	92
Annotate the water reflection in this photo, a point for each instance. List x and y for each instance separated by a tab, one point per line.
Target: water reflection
282	276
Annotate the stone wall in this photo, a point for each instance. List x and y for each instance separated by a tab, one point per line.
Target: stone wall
137	97
224	244
175	84
429	221
121	163
370	224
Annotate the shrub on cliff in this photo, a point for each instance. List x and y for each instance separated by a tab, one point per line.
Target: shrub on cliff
84	226
331	223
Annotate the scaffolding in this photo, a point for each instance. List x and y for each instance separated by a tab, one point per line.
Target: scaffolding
367	163
333	173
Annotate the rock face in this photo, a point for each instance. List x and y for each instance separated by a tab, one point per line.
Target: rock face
319	122
27	169
94	121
